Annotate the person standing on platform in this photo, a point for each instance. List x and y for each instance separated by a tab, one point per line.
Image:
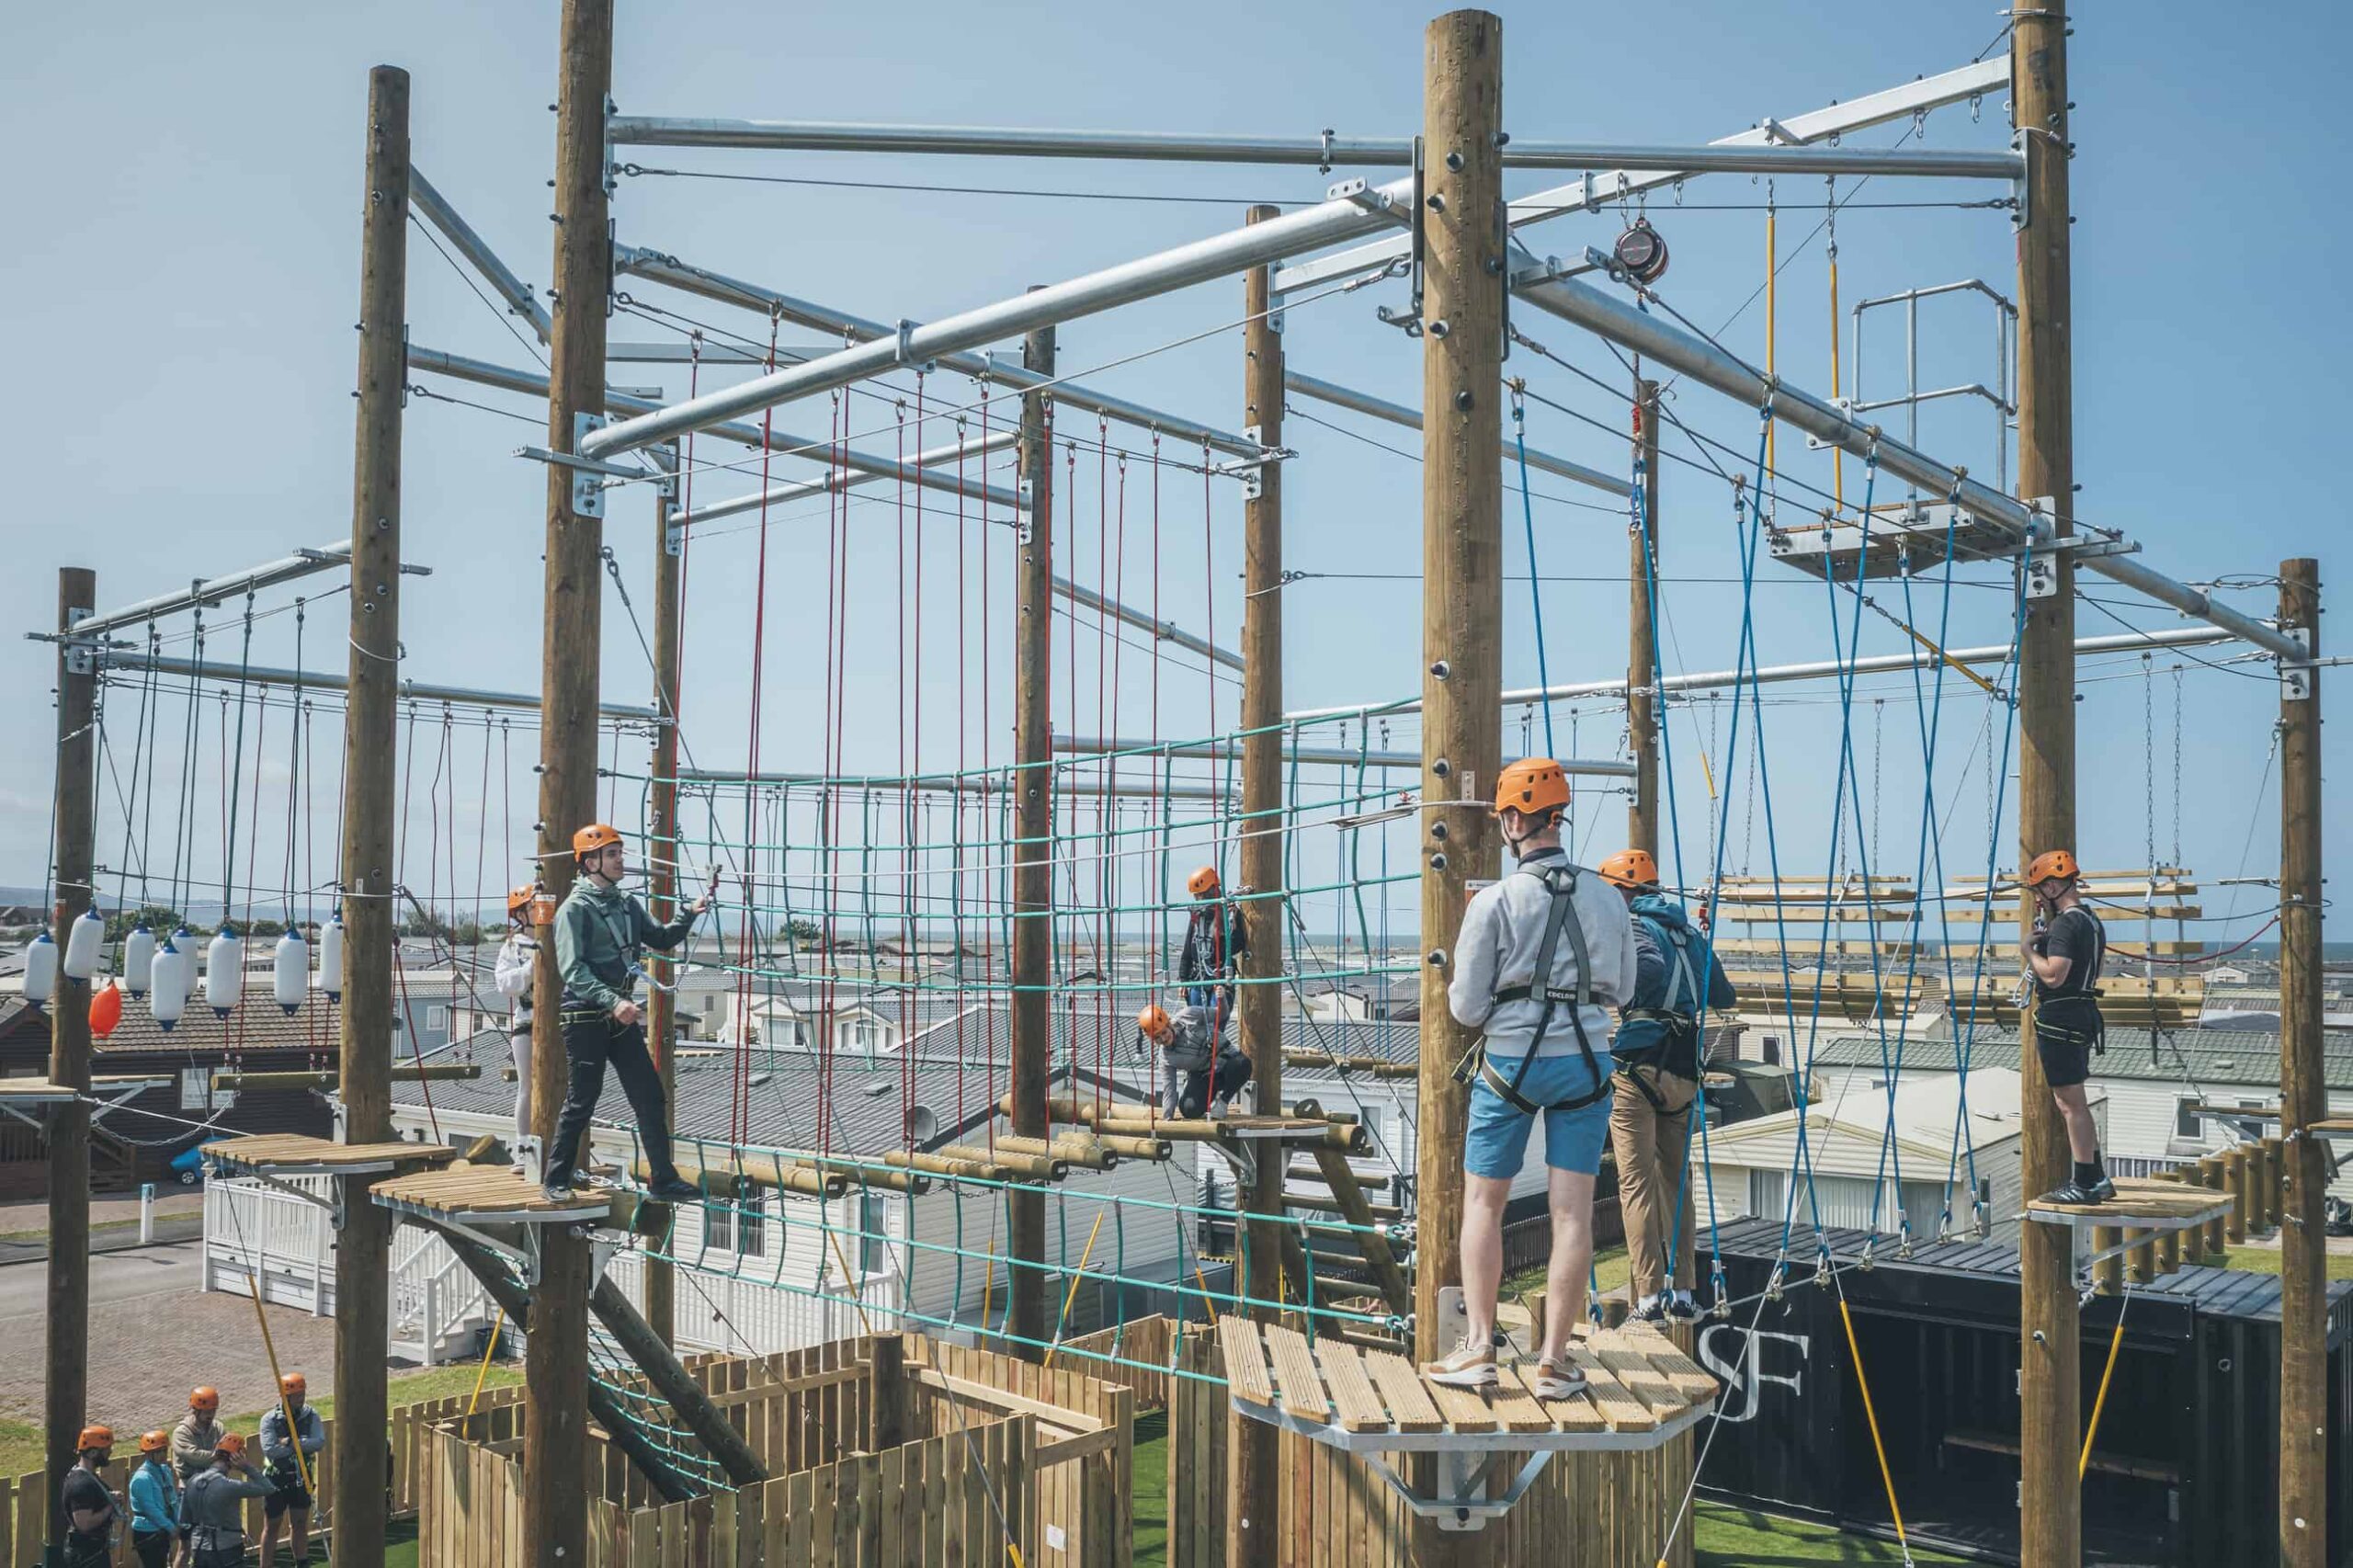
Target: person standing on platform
602	935
518	957
1540	959
1216	938
1657	1053
288	1426
155	1493
2062	957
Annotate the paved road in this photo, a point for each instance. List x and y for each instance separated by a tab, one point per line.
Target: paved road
153	1337
122	1238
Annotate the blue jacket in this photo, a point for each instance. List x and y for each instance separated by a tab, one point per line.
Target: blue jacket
154	1498
1662	930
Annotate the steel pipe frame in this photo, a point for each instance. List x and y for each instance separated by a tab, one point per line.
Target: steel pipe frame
213	590
1860	114
1398	414
430	205
1313	152
534	384
1167	631
1201	261
1340	757
668	269
800	490
411	691
973	784
1609	316
1816	669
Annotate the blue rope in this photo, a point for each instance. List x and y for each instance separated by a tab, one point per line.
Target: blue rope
1535	587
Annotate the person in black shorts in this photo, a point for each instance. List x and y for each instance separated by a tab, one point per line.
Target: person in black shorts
2063	956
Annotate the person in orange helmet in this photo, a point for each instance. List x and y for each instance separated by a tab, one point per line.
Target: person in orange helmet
198	1435
1202	1073
1217	937
518	960
287	1426
90	1510
2061	955
1541	957
212	1508
154	1493
602	935
1677	979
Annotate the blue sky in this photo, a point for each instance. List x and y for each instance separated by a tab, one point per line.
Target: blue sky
177	310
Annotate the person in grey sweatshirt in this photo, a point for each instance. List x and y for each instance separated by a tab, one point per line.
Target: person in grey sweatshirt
1544	1051
212	1505
1201	1073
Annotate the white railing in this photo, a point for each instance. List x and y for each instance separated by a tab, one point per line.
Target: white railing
434	1297
716	1312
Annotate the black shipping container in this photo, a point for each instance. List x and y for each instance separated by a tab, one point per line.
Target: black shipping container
2185	1465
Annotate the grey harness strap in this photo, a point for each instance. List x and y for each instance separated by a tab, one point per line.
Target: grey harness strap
1560	881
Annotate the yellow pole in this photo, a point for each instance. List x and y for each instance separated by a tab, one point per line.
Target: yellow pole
301	1461
498	1324
1871	1416
1072	1295
2099	1400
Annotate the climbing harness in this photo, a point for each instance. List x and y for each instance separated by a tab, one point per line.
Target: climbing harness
1561	883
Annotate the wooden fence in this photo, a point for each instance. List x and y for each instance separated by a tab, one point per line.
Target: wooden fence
1142	1349
1593	1510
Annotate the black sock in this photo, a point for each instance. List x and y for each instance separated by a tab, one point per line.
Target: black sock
2086	1175
2098	1167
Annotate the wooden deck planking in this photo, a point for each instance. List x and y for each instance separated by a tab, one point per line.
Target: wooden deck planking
1465	1409
1357	1402
1622	1358
1622	1410
1246	1359
1301	1386
1402	1390
1575	1413
267	1151
459	1191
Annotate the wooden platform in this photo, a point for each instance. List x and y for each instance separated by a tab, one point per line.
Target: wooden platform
40	1090
2336	1130
487	1195
2141	1205
1640	1392
292	1154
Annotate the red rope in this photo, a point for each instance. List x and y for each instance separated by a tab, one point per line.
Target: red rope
740	1085
2198	957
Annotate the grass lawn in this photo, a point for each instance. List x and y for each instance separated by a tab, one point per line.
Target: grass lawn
1734	1538
1151	1479
1611	1268
2266	1260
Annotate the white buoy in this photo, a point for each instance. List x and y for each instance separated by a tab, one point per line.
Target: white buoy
225	971
331	958
138	959
172	978
85	943
41	969
293	973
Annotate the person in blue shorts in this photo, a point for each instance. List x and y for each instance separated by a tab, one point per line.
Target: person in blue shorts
1543	959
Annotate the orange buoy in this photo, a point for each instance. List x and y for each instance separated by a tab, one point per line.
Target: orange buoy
106	1010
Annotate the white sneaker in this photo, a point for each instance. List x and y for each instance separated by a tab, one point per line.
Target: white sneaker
1470	1366
1556	1379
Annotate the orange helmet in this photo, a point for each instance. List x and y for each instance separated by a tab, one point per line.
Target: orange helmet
520	899
94	1437
206	1399
231	1445
293	1386
1202	882
594	837
1533	785
2052	863
1630	869
1153	1021
154	1442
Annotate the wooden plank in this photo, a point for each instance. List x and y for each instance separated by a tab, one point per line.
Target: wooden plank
1624	1360
1575	1413
1355	1399
1246	1359
1623	1410
1402	1389
1517	1410
1301	1386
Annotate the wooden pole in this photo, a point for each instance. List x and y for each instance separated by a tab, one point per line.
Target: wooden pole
66	1361
2303	1099
1641	641
555	1361
363	1247
1463	308
2051	1514
1033	890
1256	1450
662	855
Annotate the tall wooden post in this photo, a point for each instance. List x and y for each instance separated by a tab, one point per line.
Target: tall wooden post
1033	888
1256	1447
66	1379
555	1361
2050	1516
662	851
363	1247
2303	1099
1462	596
1641	638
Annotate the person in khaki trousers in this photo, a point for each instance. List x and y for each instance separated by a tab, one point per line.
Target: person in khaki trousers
1657	1082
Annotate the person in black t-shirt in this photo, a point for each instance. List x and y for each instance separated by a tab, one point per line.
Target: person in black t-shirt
2063	957
90	1509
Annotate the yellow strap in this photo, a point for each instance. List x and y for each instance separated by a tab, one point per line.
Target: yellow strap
2100	1403
488	1350
1073	1295
1871	1416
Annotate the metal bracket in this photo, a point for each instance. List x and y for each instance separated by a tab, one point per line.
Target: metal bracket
2039	564
2022	202
904	352
1459	1505
603	1247
81	655
336	1211
1368	196
587	495
2296	680
1776	134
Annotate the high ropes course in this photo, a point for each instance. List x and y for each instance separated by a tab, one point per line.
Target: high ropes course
1039	632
